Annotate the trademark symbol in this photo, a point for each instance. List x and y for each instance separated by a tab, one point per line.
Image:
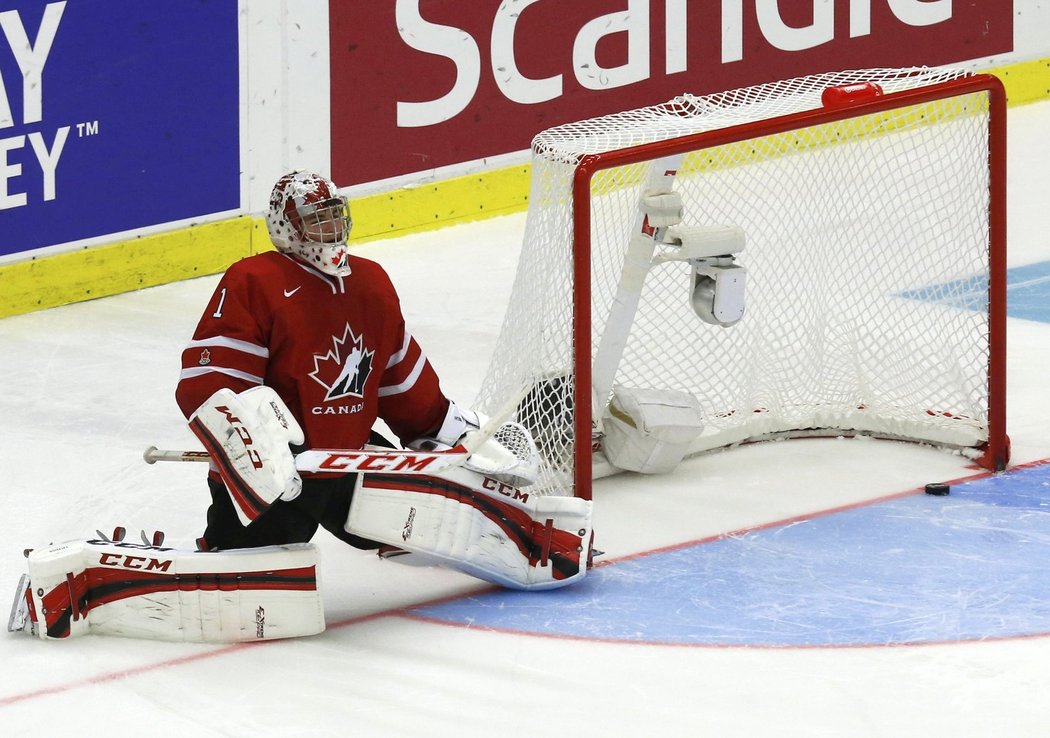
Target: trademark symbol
87	129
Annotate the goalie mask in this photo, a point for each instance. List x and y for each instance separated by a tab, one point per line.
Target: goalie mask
309	219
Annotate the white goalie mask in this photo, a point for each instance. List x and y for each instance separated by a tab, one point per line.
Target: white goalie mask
309	219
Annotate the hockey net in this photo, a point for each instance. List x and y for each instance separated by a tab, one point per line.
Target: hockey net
875	239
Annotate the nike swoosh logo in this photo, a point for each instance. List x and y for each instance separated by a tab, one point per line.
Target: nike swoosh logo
289	293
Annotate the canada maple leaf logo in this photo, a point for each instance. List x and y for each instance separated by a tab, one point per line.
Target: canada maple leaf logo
344	370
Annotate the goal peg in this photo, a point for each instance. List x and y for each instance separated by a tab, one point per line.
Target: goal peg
841	95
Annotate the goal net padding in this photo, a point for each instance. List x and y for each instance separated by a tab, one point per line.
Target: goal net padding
875	257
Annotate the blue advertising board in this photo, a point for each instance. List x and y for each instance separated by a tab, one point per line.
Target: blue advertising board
115	115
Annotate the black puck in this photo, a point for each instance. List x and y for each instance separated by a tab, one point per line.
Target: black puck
940	489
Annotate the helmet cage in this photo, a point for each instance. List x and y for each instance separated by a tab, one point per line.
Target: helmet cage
327	221
309	219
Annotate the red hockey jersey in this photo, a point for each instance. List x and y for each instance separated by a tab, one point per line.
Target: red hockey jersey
334	348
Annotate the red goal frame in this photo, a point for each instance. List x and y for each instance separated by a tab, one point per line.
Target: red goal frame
996	451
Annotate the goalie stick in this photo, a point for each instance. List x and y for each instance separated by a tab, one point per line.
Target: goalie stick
372	459
345	461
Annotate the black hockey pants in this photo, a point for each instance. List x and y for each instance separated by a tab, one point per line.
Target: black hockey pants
324	502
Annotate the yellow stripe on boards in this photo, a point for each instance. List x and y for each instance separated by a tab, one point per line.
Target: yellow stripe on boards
147	261
438	204
100	271
1025	82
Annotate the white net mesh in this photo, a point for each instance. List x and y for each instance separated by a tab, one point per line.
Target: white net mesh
868	260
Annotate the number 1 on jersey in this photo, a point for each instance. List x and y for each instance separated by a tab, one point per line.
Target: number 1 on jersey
218	308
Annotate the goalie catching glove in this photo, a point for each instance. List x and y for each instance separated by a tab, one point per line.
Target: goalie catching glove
247	436
508	455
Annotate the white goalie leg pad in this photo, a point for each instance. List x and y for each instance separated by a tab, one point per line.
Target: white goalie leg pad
247	436
478	525
141	591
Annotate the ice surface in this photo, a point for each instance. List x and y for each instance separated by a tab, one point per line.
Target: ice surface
89	386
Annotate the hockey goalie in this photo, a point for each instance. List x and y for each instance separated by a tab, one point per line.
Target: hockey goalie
465	505
296	356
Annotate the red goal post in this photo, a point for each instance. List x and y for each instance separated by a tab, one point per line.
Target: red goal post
875	224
